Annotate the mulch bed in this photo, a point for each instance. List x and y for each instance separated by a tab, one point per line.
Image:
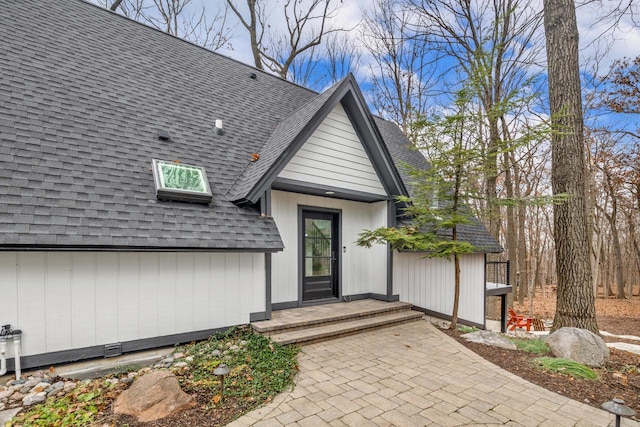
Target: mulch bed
620	377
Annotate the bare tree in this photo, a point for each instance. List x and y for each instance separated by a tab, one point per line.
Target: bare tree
306	26
575	300
401	69
609	164
495	35
186	19
326	64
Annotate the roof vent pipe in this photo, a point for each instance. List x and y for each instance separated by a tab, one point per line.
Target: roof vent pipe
219	129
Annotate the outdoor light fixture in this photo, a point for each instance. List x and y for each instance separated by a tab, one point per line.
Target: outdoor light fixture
619	409
221	371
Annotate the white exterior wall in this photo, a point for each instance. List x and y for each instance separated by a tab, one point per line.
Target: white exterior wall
67	300
334	156
429	283
363	270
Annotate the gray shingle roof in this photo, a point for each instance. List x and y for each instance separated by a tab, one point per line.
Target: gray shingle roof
276	145
83	92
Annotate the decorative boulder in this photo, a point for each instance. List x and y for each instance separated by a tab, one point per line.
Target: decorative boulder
153	396
580	345
490	338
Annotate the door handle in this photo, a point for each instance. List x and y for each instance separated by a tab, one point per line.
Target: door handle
333	256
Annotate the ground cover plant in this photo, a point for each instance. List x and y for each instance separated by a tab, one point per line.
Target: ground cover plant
81	407
259	370
535	345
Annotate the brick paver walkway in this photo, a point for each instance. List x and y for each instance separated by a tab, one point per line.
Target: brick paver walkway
413	375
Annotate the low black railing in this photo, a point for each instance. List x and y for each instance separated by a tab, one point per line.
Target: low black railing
498	272
497	283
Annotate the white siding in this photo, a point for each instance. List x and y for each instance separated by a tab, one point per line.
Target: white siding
67	300
429	283
363	270
334	156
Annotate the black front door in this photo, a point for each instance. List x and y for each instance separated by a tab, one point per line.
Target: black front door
320	244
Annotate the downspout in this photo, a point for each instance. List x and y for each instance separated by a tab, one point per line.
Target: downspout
6	333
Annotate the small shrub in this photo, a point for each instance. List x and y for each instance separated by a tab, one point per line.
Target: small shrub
566	366
467	329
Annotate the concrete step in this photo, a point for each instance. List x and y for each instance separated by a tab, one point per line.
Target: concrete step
305	317
326	331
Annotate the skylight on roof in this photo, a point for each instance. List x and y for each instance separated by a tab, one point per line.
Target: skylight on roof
177	181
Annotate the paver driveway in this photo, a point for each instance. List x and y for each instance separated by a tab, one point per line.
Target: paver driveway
413	375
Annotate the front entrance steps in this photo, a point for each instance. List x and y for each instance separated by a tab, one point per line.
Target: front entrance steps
322	322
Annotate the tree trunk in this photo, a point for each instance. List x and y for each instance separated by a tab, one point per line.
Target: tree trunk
575	299
456	292
523	261
617	249
511	234
634	242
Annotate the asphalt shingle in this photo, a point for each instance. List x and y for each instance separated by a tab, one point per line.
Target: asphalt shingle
84	92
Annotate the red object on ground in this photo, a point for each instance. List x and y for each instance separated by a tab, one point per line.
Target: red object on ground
518	321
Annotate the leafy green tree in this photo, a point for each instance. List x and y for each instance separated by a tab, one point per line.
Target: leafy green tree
438	207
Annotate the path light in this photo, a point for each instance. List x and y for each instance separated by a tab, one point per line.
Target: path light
619	409
221	371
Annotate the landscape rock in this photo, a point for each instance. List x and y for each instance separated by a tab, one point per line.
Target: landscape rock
4	394
579	345
32	399
58	385
16	396
54	392
8	414
127	380
490	338
42	386
32	382
153	396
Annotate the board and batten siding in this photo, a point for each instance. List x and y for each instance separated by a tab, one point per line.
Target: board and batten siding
333	156
69	300
363	270
429	283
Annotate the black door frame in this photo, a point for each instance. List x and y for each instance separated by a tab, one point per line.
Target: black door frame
337	270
